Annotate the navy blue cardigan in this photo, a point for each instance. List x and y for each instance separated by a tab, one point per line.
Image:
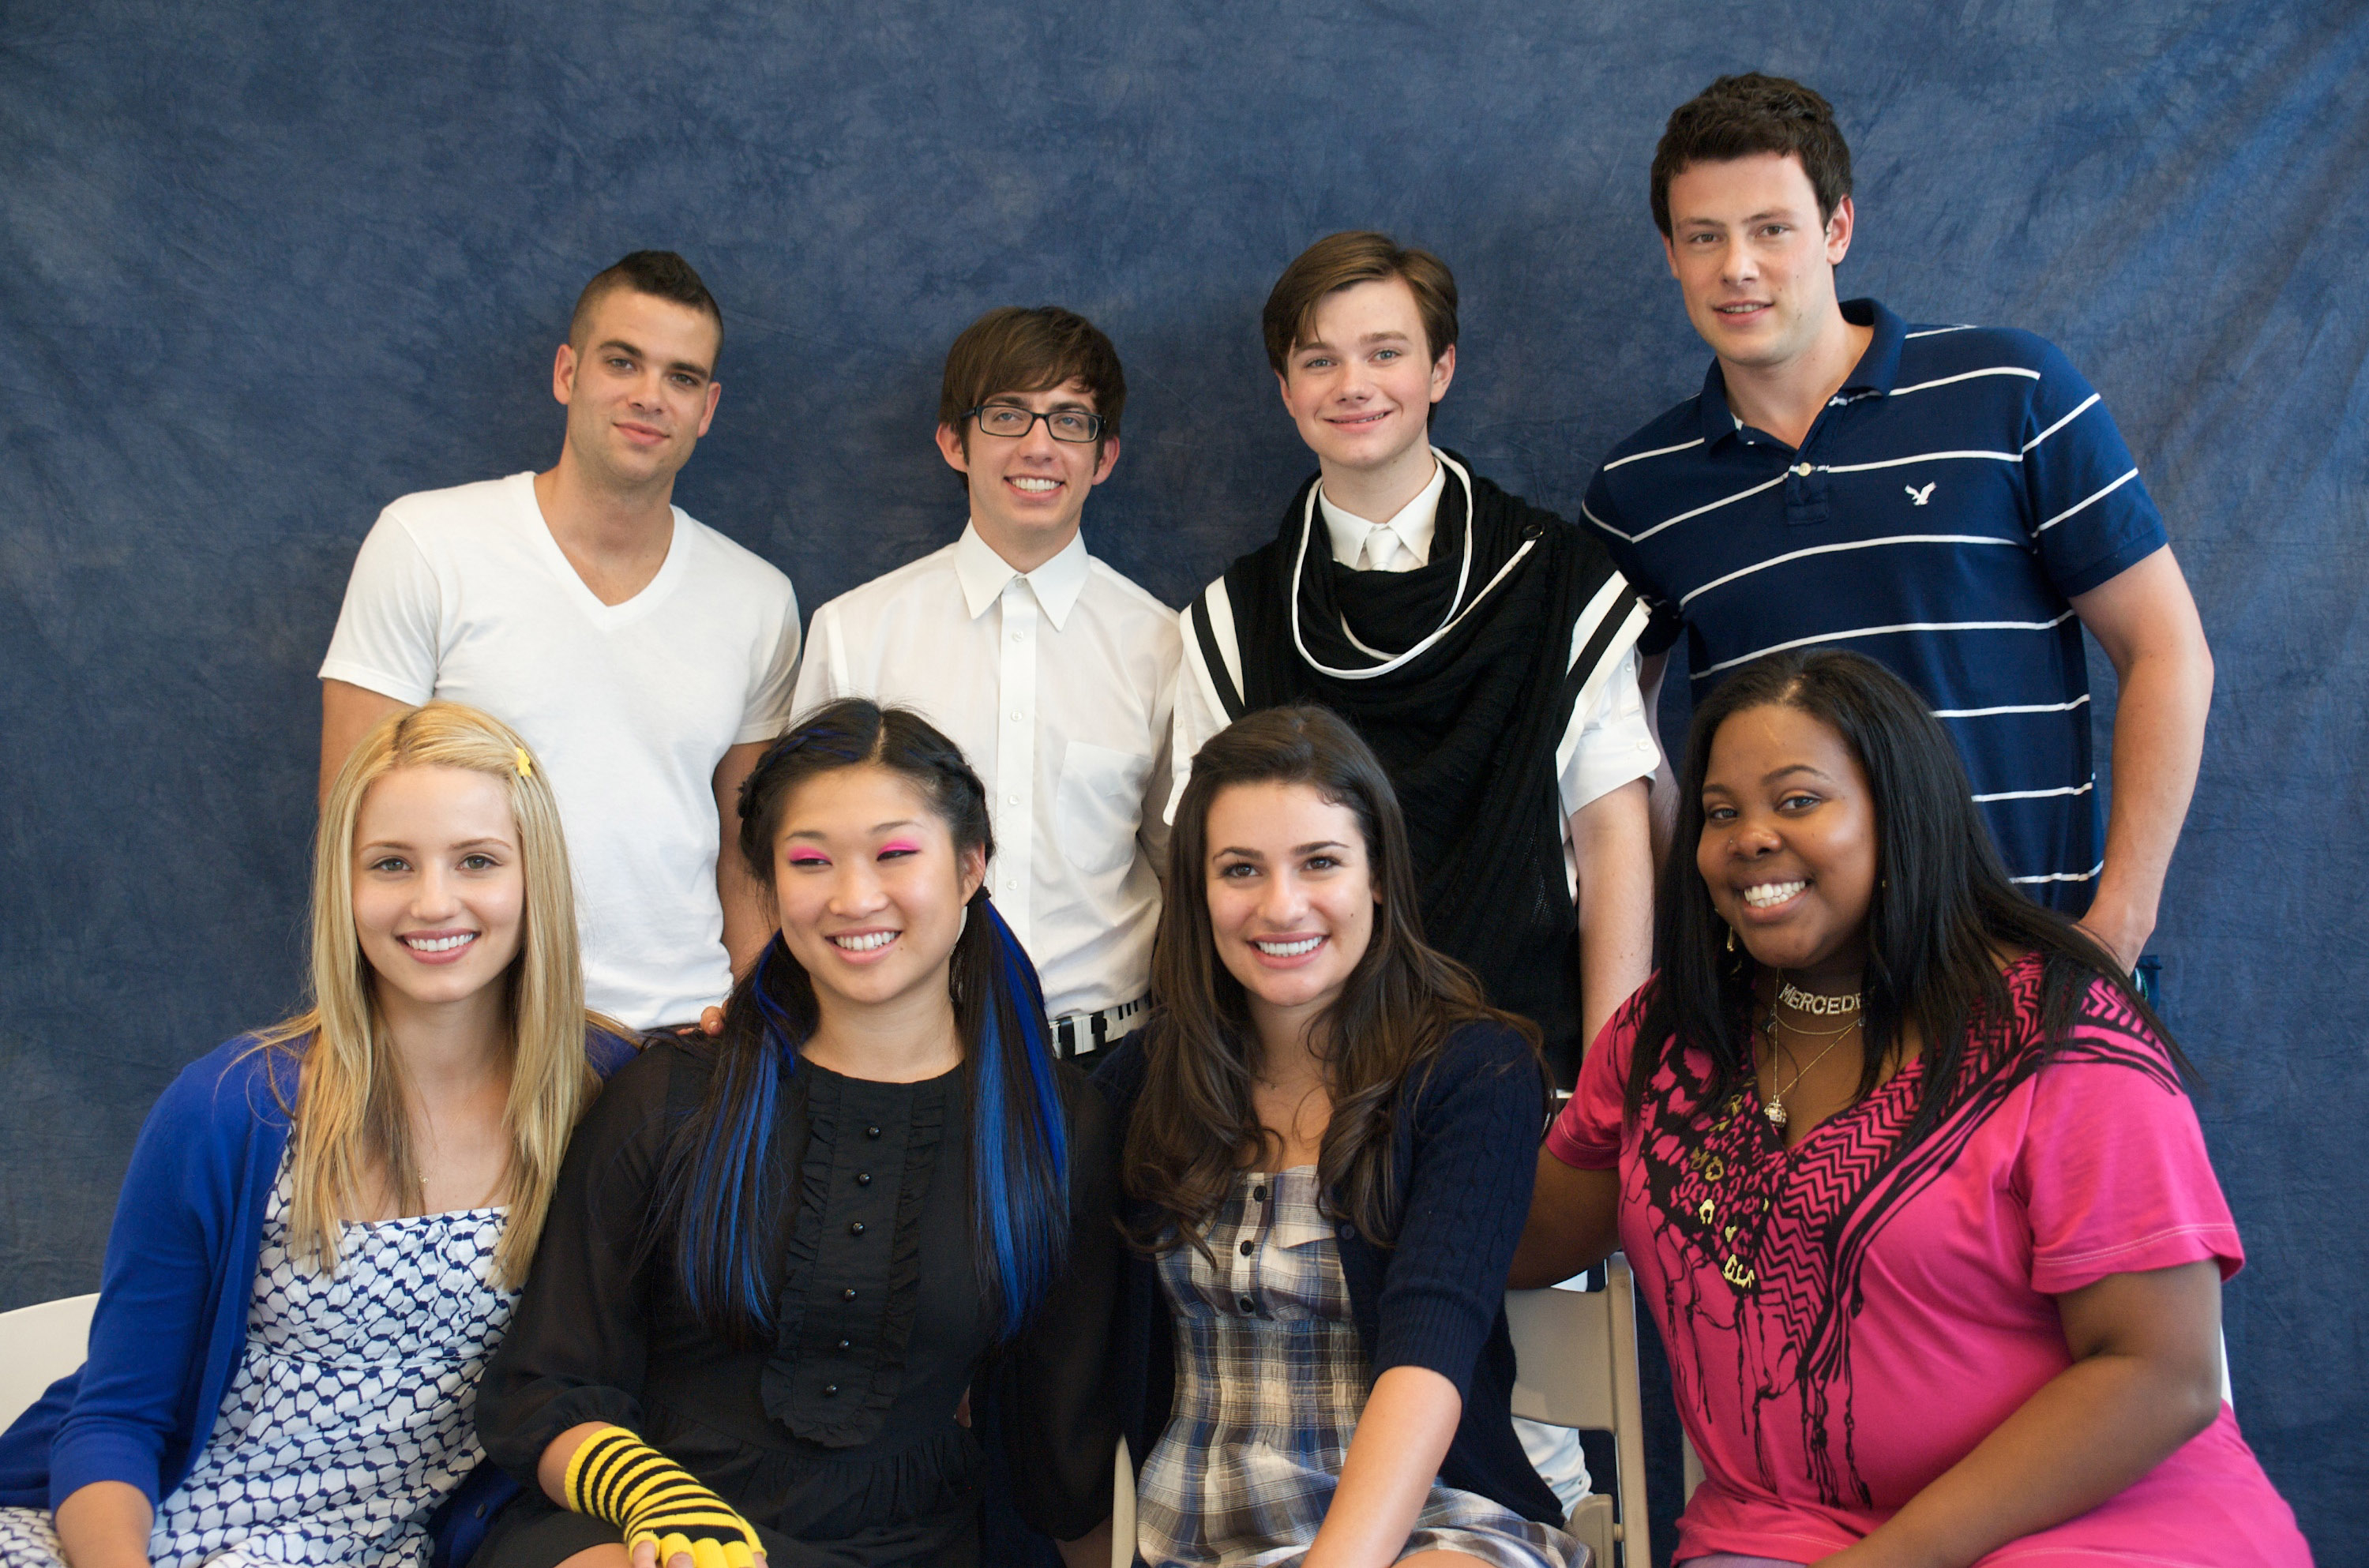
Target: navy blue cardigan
170	1327
1464	1154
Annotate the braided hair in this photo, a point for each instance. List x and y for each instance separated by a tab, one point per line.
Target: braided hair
714	1197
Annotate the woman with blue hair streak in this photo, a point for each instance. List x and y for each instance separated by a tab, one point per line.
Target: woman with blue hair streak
779	1261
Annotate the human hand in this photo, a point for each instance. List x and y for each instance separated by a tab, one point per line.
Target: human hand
711	1021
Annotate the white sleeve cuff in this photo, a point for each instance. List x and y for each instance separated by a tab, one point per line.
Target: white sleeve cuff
1608	744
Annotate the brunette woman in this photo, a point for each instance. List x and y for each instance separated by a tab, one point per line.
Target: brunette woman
1328	1152
1905	1170
778	1262
325	1225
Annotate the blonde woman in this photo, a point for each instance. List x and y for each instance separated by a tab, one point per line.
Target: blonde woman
325	1224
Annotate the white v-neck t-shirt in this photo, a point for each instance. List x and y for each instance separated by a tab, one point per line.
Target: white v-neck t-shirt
463	595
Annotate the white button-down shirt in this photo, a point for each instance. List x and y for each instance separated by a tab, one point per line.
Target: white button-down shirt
1605	745
1056	683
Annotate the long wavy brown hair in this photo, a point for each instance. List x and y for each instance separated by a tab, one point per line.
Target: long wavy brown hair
1194	1128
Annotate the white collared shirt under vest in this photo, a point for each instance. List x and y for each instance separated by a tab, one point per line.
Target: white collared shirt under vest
1606	744
1056	683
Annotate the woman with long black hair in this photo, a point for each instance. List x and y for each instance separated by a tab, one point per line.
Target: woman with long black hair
777	1261
1904	1168
1328	1146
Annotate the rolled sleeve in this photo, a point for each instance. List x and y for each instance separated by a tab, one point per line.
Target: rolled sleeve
1608	744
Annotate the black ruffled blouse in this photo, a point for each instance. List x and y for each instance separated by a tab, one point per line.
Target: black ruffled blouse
841	1432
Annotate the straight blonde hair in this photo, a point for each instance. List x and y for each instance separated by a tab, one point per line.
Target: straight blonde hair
349	1117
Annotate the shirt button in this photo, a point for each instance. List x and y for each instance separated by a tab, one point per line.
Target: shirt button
855	1227
1258	1195
1248	1248
1802	469
1019	717
872	1132
1012	800
863	1178
1245	1303
848	1294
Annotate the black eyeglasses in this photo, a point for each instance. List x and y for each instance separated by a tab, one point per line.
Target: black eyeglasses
1011	420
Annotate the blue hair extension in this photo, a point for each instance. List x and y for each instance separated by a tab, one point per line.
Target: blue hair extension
717	1249
1027	1228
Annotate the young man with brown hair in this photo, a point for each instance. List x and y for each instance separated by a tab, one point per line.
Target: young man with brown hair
645	657
1952	501
1052	671
1481	646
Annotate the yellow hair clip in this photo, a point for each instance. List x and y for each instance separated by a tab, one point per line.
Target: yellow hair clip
525	764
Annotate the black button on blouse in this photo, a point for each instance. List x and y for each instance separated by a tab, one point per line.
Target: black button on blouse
847	1303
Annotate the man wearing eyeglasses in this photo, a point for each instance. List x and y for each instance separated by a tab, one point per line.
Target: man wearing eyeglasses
1050	670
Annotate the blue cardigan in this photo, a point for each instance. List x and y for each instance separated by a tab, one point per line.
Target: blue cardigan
1464	1154
170	1328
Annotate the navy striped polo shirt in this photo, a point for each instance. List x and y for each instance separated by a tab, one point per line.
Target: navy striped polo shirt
1963	484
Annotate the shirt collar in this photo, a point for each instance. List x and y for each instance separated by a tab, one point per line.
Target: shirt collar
1876	370
1415	522
984	576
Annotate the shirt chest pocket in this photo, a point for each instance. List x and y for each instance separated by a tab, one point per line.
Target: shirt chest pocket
1101	799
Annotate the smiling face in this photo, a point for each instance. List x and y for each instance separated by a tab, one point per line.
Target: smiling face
1028	492
1361	382
1789	842
870	888
640	388
438	887
1292	899
1752	259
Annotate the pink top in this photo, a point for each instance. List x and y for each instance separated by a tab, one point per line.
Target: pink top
1842	1328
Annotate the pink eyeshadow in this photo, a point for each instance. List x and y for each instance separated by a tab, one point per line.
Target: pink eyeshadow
899	845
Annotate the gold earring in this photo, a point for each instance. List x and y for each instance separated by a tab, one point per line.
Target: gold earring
1730	939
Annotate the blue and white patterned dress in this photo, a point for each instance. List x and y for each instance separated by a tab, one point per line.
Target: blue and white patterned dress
1270	1380
351	1416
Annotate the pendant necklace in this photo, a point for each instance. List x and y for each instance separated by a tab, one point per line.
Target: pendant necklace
1805	1003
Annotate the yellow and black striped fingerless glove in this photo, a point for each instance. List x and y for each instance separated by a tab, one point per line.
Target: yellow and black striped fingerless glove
617	1477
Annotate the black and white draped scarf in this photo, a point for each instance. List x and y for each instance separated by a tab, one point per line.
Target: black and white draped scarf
1461	675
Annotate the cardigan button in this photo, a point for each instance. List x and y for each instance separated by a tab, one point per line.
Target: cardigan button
830	1391
863	1178
872	1132
855	1227
1346	1232
848	1294
847	1345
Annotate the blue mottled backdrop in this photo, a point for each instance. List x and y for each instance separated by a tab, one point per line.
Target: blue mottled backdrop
265	266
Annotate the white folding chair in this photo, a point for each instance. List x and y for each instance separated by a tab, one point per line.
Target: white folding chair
1122	1508
1575	1353
39	1345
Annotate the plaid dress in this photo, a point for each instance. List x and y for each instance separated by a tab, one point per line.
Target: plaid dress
1270	1380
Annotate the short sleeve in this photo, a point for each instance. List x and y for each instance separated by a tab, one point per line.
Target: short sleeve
2091	515
2113	1172
772	698
822	674
1195	714
389	631
1609	743
1601	514
1586	1136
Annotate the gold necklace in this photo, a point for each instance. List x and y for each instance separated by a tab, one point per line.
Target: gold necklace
1775	1109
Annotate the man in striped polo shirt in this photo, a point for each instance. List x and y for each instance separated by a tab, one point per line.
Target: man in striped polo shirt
1953	501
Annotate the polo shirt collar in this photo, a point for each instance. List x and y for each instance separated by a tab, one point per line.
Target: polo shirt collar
1876	370
984	576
